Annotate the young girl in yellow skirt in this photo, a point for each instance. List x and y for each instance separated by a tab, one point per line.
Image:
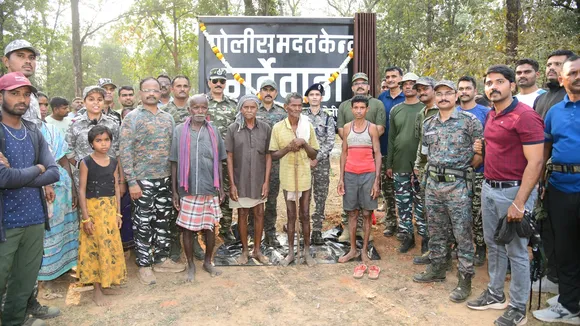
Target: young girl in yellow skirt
101	260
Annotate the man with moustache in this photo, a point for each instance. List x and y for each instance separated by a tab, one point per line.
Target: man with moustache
165	83
109	87
177	106
375	114
467	91
146	135
514	143
222	113
126	97
448	140
75	106
527	72
402	152
391	97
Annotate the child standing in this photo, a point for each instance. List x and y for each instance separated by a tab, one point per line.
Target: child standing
101	260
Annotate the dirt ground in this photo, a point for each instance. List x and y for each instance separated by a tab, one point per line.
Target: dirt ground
295	295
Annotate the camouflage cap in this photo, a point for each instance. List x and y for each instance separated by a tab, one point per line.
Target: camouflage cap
92	89
106	81
18	45
409	77
269	82
425	81
360	75
447	83
218	73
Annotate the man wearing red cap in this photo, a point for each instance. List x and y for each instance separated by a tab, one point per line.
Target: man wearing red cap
26	165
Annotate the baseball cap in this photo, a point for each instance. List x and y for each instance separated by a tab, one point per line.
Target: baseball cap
269	82
409	77
218	73
360	75
447	83
92	89
19	45
106	81
15	80
425	81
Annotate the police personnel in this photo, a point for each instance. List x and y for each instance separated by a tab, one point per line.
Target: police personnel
324	127
447	141
222	113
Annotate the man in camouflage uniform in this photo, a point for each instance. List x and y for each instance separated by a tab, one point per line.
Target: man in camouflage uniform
320	167
177	106
447	142
222	112
271	113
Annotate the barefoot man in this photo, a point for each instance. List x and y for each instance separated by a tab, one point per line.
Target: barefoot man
249	165
360	164
294	143
196	172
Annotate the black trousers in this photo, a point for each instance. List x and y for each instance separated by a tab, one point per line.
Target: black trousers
564	213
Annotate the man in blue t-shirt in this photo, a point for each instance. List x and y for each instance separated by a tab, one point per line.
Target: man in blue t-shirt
466	87
391	97
26	165
563	195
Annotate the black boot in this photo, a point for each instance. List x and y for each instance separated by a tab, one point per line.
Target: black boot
463	289
390	231
424	245
316	238
479	257
422	260
271	240
408	243
227	236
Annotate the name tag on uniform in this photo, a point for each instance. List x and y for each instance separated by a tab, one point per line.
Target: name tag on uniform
424	149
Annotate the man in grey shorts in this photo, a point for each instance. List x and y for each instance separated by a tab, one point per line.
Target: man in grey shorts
360	164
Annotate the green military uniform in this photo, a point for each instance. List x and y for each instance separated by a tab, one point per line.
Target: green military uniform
179	114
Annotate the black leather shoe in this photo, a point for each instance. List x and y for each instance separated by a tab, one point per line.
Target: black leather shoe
407	244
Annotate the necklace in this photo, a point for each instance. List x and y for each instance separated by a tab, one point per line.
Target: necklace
11	134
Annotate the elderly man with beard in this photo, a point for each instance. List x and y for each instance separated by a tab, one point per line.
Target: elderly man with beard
196	173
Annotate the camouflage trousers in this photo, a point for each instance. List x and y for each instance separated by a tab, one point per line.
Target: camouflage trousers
226	220
388	190
476	211
270	212
409	202
449	206
153	220
320	184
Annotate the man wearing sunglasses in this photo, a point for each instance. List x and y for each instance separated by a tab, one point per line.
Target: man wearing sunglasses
222	112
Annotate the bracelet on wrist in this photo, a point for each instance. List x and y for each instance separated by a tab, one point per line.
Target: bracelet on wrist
519	210
83	221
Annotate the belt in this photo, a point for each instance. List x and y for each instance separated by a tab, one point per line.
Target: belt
564	168
502	184
442	174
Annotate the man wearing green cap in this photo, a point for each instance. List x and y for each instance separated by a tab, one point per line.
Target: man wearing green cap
222	113
376	114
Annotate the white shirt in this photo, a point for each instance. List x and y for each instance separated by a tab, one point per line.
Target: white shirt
61	125
530	98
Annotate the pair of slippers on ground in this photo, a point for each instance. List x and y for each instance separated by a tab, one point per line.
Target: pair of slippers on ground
360	270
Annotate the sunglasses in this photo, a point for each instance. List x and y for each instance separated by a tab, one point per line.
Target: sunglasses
221	81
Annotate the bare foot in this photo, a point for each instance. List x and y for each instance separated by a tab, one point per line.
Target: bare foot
261	258
243	259
112	291
286	261
100	299
351	255
309	260
190	273
208	267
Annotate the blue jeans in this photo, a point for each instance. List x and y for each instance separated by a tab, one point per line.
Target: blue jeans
494	205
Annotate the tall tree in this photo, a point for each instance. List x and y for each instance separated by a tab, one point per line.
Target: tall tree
513	10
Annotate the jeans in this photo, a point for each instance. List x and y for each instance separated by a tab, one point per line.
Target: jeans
494	205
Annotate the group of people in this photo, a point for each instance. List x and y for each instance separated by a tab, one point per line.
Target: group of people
168	166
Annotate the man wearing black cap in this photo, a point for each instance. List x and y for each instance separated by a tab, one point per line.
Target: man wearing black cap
26	165
320	167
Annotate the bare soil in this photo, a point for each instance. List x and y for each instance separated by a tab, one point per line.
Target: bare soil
295	295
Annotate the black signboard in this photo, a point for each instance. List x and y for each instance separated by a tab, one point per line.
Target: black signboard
293	51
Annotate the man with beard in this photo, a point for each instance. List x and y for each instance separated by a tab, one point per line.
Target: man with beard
177	106
109	87
403	142
126	97
467	92
391	97
165	83
527	72
145	146
222	113
26	165
375	114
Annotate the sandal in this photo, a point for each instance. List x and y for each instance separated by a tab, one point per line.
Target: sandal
374	272
359	271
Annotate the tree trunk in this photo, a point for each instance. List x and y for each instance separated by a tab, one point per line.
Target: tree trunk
430	19
77	48
513	9
249	8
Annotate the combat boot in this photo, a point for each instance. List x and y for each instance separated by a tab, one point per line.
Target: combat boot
424	245
316	238
479	257
463	289
422	260
434	273
407	244
390	231
271	240
198	252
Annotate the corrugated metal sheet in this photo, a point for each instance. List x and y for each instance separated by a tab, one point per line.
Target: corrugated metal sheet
365	49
